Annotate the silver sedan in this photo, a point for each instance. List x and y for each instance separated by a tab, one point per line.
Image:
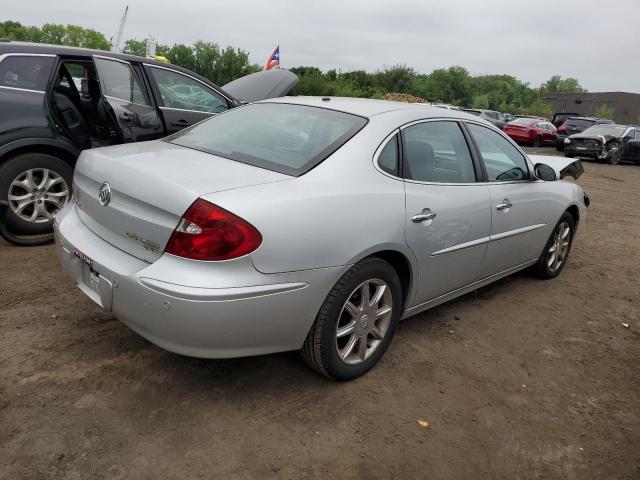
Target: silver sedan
311	224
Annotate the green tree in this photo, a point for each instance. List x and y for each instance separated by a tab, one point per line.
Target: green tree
481	101
604	111
135	47
397	79
557	84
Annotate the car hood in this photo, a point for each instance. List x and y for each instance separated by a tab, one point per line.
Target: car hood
593	137
262	85
564	167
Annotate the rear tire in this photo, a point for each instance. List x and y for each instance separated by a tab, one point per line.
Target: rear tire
556	251
536	142
351	333
34	186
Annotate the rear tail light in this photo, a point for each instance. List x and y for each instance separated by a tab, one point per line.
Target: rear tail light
209	232
562	129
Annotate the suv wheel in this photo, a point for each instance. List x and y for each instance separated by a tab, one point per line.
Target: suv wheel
35	186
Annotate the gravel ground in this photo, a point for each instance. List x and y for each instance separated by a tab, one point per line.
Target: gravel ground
522	379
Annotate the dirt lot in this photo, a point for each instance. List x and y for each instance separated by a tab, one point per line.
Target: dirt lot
523	379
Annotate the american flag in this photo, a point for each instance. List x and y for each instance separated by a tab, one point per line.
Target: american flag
274	59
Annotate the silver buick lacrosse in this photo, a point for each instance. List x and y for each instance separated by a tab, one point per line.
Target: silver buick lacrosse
311	224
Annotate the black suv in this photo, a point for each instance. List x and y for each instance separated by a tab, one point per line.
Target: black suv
57	101
573	125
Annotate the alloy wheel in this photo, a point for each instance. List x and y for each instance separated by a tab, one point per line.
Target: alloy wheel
363	321
557	253
36	195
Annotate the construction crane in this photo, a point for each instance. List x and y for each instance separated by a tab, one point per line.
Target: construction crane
116	43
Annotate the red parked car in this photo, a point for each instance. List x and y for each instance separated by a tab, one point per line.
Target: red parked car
531	131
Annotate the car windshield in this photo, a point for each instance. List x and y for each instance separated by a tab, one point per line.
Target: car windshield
606	130
525	121
285	138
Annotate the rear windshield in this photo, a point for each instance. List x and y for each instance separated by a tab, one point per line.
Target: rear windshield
285	138
576	122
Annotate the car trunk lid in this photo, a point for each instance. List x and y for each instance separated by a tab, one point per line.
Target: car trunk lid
262	85
151	186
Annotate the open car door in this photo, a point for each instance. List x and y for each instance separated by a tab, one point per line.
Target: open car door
262	85
126	102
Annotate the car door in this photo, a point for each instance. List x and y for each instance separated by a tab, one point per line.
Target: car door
520	207
448	213
631	147
183	99
127	101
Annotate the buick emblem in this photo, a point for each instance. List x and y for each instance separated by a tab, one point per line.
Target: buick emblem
104	194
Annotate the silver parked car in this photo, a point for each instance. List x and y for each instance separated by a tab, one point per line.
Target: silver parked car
310	223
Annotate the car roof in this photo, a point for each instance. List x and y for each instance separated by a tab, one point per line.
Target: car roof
28	47
41	48
368	107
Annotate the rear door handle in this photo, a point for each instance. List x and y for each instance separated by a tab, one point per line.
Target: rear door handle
421	217
126	117
505	205
180	123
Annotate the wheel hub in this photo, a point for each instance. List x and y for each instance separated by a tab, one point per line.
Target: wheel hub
36	195
364	321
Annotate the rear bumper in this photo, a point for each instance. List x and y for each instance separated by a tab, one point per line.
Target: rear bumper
201	309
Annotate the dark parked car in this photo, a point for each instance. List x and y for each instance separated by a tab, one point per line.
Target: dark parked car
611	143
559	118
497	118
531	131
573	125
57	101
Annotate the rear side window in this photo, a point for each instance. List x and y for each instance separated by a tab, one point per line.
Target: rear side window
388	158
285	138
437	152
119	81
28	72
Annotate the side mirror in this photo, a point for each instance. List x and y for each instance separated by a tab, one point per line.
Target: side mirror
544	172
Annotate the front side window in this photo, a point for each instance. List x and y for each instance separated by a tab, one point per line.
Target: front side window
502	160
119	81
285	138
437	152
27	72
184	93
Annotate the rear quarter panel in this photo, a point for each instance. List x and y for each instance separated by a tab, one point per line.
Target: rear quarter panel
339	212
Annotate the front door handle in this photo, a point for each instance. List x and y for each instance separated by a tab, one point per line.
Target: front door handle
426	215
180	123
505	205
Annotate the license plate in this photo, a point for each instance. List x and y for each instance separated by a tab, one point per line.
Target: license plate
85	258
93	280
581	148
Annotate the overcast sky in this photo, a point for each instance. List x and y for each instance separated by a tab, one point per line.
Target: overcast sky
596	41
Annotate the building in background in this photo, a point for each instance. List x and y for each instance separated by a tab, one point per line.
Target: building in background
626	106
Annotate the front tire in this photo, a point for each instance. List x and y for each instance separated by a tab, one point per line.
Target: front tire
35	186
535	143
556	251
615	158
356	322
